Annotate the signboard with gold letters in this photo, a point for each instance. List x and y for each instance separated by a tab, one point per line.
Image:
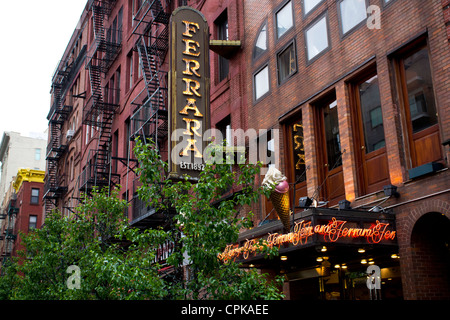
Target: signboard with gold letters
189	92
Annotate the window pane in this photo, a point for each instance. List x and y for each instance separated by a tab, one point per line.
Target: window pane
222	34
299	152
352	13
331	124
261	42
317	38
420	90
37	154
34	196
284	19
262	82
310	4
32	223
286	63
372	117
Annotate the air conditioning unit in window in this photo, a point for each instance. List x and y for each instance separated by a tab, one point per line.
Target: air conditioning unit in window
69	134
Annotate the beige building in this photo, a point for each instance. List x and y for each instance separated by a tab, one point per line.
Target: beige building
19	152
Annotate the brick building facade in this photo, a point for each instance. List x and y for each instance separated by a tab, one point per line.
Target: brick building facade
24	211
354	95
360	98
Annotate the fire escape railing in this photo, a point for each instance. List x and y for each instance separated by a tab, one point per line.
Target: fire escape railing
54	186
102	105
10	232
150	119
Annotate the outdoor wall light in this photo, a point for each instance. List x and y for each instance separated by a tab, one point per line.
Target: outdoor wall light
283	258
391	190
304	202
344	205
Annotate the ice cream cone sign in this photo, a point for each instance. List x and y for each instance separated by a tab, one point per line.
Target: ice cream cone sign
279	196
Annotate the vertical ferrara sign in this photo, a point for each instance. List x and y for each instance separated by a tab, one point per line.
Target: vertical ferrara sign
188	92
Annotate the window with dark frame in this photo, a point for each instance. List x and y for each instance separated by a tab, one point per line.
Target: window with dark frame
309	5
284	19
287	63
261	82
261	41
222	34
351	14
224	126
32	222
34	196
130	69
117	93
316	37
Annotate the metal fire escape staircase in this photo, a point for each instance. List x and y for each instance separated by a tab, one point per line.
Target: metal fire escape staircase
150	119
100	109
54	186
10	233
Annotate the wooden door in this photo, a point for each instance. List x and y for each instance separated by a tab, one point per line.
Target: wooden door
372	165
331	181
416	88
295	154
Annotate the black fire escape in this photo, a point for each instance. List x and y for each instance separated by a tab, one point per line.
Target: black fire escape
102	105
10	234
55	186
150	117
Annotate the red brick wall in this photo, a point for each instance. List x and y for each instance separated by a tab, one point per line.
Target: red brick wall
401	22
26	209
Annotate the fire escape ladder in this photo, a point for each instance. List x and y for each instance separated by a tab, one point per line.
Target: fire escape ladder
10	232
100	109
53	187
150	120
149	70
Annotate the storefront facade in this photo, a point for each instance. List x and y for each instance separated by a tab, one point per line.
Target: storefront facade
362	115
328	254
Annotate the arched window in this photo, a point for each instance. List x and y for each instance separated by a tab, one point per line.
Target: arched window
261	41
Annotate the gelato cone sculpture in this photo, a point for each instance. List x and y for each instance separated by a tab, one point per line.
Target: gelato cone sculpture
280	195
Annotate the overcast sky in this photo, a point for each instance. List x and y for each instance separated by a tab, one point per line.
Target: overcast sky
33	37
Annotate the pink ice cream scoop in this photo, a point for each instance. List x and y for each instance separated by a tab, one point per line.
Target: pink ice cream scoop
282	187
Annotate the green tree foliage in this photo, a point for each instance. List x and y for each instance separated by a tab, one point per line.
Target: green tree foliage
117	261
210	217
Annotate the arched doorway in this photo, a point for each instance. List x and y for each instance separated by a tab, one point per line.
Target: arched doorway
430	244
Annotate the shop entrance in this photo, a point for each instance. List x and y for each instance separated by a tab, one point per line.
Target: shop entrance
342	273
341	285
430	241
